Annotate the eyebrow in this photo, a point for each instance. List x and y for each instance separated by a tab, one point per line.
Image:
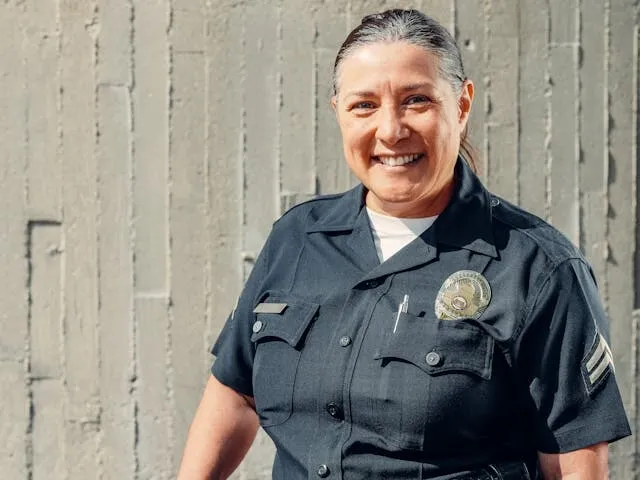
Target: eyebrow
406	88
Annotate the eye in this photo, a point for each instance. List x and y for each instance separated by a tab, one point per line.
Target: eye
417	100
364	105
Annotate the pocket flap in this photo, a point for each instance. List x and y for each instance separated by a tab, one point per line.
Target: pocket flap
289	325
444	347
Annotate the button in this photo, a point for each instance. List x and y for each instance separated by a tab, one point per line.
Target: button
433	359
334	410
257	326
345	341
494	202
323	471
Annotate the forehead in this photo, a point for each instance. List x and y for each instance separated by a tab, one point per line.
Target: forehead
371	66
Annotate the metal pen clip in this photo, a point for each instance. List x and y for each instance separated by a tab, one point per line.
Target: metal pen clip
402	308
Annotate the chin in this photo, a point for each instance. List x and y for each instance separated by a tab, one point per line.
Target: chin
392	196
395	193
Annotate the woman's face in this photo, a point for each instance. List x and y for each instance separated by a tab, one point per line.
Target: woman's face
401	125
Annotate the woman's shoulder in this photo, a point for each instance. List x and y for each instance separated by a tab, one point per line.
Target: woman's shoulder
338	208
517	224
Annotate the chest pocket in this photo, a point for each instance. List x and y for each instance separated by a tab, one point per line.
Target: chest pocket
281	322
434	379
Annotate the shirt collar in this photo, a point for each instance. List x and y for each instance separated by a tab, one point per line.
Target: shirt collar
343	213
466	222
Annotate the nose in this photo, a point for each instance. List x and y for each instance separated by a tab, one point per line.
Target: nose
391	127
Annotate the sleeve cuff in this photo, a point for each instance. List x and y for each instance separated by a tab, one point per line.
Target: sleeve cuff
609	430
232	381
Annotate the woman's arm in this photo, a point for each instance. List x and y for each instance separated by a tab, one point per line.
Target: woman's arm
222	431
589	463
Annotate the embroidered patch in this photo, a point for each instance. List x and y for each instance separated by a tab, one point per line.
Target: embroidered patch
465	294
597	364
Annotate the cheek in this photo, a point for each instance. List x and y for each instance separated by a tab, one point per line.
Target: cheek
441	135
357	139
353	151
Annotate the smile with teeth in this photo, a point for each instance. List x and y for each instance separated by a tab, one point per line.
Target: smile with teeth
398	160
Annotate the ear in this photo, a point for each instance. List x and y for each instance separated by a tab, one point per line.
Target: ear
334	103
464	103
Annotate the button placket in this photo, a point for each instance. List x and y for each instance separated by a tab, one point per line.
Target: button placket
354	316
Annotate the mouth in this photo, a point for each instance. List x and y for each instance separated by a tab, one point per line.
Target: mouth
397	160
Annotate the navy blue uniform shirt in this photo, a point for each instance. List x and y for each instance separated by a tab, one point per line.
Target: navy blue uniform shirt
344	397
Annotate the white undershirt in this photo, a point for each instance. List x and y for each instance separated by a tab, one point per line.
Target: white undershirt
391	234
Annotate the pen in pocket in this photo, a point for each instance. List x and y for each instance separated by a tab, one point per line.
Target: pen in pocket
402	308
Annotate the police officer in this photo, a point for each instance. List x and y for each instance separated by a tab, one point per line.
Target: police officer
414	327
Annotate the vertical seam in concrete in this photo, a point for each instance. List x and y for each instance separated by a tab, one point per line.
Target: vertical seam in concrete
607	147
634	147
634	197
486	150
59	128
518	111
277	187
244	145
578	113
208	206
98	332
581	211
519	114
280	104
315	105
454	19
63	271
133	390
28	438
27	130
548	93
29	458
169	338
636	130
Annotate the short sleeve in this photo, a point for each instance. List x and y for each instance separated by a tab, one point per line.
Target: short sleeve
233	349
563	356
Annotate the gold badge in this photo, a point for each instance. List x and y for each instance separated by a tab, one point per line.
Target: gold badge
465	294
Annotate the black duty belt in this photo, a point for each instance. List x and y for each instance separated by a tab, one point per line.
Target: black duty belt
499	471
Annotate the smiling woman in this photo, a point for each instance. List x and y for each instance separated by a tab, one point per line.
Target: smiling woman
401	124
416	326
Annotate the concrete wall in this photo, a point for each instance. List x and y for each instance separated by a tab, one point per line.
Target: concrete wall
146	146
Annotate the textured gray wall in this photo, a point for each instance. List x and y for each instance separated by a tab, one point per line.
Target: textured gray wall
146	146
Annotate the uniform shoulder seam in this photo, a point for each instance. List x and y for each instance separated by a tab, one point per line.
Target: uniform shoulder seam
537	223
540	284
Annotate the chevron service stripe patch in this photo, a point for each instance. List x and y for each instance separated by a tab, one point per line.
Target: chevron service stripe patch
597	364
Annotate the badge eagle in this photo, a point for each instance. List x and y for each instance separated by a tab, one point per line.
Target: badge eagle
465	294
